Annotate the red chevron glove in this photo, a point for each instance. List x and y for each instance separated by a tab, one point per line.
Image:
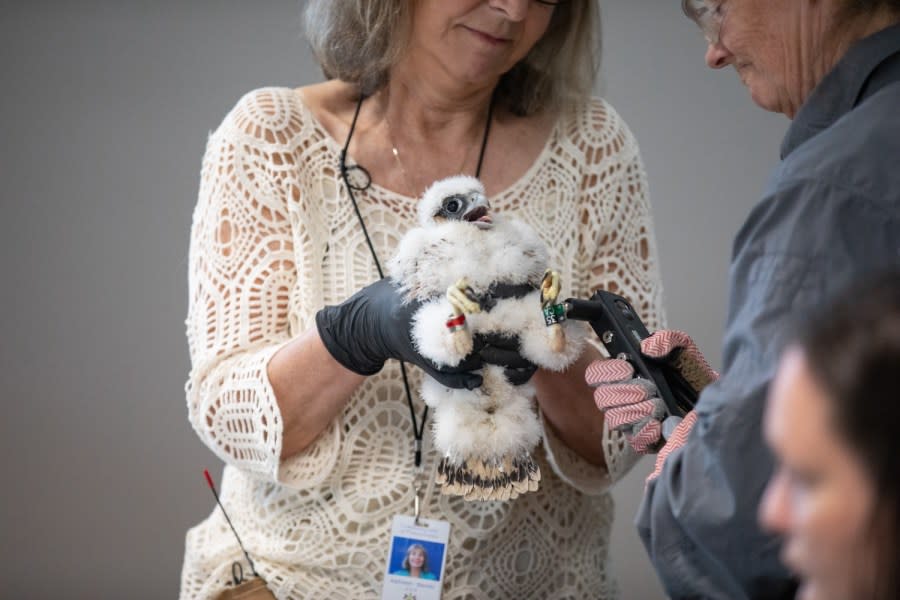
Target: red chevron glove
674	441
632	404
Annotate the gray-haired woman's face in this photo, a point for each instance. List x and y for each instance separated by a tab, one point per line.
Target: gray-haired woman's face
776	47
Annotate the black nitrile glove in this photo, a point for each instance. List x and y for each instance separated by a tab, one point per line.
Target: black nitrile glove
503	350
373	325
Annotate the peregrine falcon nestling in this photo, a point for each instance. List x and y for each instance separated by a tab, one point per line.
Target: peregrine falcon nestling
481	274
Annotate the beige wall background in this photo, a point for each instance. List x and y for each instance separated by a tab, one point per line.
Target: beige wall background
104	112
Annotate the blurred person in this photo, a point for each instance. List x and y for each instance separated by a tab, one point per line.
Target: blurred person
830	213
831	421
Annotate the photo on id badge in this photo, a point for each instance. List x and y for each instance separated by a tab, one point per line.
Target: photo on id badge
415	561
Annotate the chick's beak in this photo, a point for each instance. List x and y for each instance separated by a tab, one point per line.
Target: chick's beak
479	212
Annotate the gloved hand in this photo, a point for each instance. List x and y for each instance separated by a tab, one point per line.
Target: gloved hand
632	404
503	350
373	325
673	441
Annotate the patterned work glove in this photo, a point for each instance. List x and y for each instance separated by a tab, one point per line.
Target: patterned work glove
632	405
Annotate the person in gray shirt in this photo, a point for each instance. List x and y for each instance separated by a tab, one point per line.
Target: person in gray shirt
830	213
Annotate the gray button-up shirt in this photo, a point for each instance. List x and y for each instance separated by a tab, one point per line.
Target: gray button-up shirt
830	213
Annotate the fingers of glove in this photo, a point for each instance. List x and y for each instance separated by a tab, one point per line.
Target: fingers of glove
625	393
472	362
669	425
498	340
520	376
460	376
661	343
682	353
504	357
608	371
694	368
627	416
676	441
646	439
458	381
682	431
499	349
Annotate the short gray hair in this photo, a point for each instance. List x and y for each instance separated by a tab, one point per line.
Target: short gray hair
358	41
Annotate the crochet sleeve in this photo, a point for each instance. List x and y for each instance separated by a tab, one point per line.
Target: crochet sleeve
621	251
241	277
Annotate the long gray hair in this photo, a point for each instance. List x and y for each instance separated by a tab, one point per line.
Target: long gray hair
359	41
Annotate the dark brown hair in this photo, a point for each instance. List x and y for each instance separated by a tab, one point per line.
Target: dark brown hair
852	348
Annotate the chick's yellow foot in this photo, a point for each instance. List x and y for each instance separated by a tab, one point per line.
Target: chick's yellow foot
556	337
463	301
549	287
462	298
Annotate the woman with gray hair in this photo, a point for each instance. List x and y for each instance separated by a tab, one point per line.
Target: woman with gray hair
831	211
304	193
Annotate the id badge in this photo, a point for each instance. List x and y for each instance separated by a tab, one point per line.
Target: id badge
415	565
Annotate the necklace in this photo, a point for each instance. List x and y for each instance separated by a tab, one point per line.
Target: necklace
413	185
357	178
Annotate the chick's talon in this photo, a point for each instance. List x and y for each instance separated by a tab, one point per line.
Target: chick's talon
550	287
462	298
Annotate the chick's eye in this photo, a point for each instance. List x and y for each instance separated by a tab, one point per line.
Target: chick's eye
452	205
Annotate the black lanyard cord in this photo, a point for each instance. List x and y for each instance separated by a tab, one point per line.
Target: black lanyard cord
350	187
364	184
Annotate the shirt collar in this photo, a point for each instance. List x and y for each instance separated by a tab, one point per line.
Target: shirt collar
842	88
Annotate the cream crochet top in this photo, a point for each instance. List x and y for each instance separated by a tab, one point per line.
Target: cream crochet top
317	525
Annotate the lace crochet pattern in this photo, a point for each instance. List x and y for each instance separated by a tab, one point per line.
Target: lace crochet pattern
273	239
